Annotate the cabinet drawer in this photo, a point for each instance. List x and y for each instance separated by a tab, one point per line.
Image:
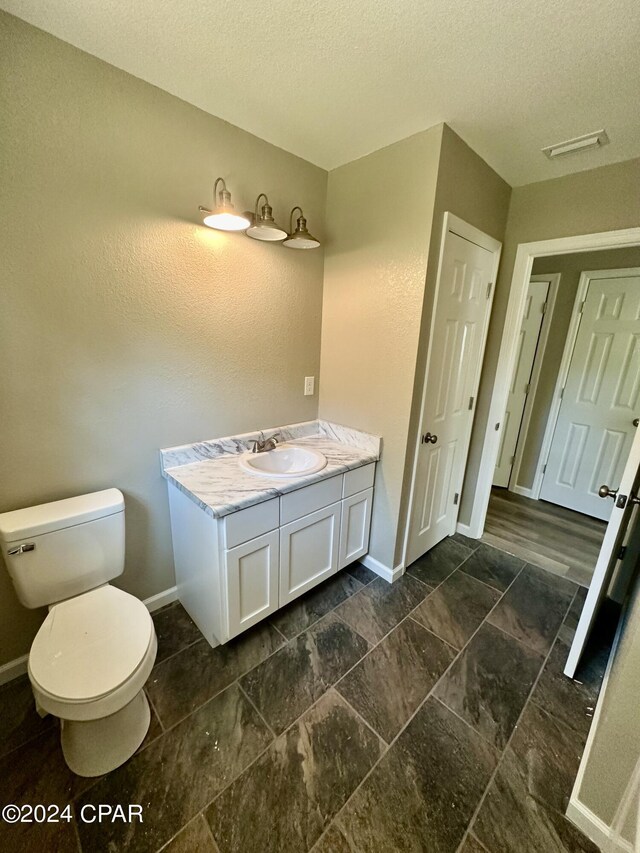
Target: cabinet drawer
358	480
309	499
251	522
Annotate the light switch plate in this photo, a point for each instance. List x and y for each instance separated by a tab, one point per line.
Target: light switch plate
309	385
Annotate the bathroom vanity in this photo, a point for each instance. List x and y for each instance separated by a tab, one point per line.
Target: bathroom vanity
246	544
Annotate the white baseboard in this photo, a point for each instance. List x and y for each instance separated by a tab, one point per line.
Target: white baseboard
466	530
13	668
595	828
521	490
380	569
167	596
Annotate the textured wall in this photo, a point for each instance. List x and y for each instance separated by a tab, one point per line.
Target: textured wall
125	325
470	189
570	267
379	213
602	199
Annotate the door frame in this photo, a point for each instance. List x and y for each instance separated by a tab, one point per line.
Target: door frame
525	255
554	284
586	277
453	223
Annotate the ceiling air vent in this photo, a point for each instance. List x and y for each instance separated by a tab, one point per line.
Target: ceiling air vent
581	143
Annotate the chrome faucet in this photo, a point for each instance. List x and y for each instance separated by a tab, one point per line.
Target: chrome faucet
264	446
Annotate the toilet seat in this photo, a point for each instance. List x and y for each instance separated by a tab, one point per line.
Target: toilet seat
91	652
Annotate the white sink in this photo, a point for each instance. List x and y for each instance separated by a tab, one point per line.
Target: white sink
283	461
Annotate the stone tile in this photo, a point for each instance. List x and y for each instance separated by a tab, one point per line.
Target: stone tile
534	607
189	679
178	775
422	794
37	773
512	821
194	838
289	682
287	798
19	720
489	683
361	573
175	630
493	567
378	608
456	608
309	608
546	754
438	563
466	540
472	845
388	684
571	701
333	841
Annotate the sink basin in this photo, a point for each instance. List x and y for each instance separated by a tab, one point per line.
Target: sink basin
283	461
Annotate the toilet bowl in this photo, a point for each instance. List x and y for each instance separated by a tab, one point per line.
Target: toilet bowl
95	650
87	666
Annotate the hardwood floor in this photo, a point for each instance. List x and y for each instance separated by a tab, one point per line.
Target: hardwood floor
558	539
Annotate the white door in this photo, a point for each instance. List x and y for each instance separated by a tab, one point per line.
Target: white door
621	511
252	581
527	346
308	551
595	425
456	349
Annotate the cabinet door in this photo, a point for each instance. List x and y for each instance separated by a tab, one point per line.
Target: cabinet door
251	571
308	551
354	527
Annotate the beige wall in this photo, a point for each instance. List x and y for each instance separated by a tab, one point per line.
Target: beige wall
602	199
379	215
125	325
570	268
470	189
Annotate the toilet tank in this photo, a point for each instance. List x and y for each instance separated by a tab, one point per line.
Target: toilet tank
61	549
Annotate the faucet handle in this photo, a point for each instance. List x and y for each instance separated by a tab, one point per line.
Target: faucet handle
256	443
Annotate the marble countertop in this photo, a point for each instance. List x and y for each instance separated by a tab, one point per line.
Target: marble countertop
220	486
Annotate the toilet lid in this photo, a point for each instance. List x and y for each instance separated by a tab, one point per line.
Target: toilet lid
89	645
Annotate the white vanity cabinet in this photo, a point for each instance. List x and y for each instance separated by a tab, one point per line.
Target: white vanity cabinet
235	571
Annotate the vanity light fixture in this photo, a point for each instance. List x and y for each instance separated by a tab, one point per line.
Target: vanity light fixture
264	226
300	238
223	216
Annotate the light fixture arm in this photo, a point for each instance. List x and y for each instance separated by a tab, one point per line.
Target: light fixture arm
264	196
291	217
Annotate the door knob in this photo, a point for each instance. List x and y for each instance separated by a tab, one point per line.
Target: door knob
636	422
428	438
606	492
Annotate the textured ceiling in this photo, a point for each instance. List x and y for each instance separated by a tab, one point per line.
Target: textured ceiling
332	80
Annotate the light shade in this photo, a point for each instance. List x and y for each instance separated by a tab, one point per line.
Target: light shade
264	226
223	217
300	238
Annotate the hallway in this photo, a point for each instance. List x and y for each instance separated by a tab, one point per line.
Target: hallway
564	542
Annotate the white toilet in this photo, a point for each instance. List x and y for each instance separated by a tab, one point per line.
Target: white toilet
96	648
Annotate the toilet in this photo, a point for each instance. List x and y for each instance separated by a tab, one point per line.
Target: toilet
95	650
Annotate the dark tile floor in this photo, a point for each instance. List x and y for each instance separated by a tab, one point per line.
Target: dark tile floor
430	715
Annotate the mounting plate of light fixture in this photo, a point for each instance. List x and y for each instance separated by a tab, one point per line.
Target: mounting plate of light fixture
223	217
264	227
579	143
300	238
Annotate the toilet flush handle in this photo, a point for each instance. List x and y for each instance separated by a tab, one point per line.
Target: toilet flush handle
20	549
